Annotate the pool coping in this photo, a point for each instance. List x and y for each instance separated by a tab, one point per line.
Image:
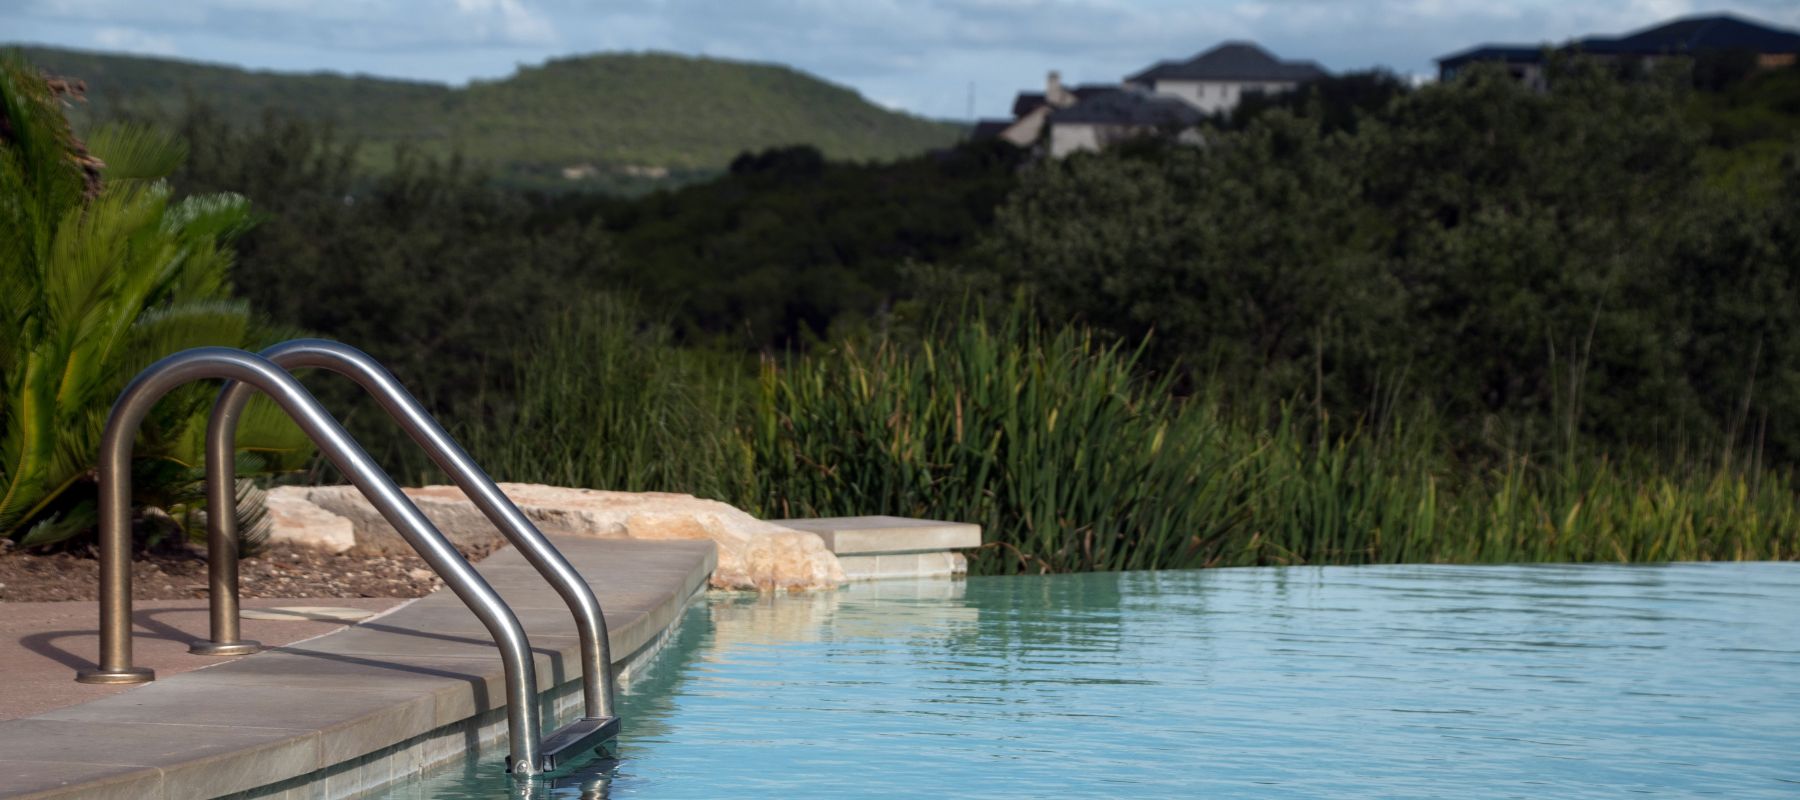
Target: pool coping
350	711
883	547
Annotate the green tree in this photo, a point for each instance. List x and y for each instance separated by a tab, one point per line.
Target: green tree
1506	254
1244	258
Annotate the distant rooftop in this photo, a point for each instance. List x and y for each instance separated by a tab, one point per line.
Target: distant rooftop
1128	107
1679	37
1231	61
1691	34
1028	102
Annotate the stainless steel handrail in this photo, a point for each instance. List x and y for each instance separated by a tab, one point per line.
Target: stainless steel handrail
332	440
221	457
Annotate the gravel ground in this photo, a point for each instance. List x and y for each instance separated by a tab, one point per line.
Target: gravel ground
278	571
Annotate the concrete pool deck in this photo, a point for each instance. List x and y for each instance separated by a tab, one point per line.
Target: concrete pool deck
339	714
48	641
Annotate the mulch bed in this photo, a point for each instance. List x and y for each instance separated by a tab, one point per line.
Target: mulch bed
278	571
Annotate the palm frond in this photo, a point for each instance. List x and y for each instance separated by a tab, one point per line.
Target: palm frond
136	152
61	526
253	523
101	273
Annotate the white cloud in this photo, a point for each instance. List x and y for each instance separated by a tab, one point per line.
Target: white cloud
135	41
508	21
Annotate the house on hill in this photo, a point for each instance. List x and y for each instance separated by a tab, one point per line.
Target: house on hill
1032	109
1172	97
1679	39
1214	81
1117	115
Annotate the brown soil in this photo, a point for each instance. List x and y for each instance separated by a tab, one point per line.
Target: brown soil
277	571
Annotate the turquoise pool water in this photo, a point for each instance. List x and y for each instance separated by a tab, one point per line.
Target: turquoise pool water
1337	682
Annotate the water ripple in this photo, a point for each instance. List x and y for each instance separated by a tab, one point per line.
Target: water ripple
1406	681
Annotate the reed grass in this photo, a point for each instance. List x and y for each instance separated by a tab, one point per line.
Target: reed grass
605	400
1050	440
1070	458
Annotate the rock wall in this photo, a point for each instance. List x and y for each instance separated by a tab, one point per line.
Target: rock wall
753	554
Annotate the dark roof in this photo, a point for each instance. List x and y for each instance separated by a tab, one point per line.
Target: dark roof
1688	35
1028	102
1127	107
989	128
1511	54
1693	34
1231	61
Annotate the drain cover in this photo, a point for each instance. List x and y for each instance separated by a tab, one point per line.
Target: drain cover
315	613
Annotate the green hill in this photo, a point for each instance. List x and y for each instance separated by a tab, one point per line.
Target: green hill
598	118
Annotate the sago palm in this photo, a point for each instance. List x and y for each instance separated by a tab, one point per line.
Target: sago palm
101	273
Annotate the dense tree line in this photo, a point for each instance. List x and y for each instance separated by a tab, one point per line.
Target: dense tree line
1598	258
1397	299
445	275
1528	263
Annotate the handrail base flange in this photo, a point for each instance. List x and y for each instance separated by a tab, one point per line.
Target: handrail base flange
126	675
241	647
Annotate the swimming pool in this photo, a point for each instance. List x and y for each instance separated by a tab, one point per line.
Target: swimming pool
1395	681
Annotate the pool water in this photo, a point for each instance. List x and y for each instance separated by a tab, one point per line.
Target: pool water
1335	682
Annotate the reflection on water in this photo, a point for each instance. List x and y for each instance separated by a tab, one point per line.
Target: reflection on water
1421	681
859	610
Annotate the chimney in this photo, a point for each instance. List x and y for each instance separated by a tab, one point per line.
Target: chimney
1054	93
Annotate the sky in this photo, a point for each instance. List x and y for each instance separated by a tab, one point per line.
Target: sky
929	57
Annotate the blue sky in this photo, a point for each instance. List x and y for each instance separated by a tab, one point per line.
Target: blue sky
918	55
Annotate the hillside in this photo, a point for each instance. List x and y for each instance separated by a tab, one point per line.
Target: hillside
598	118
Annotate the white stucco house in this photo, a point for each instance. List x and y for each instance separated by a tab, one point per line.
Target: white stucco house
1032	109
1216	80
1171	98
1117	115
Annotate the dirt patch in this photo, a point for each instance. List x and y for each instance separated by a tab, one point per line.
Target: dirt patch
278	571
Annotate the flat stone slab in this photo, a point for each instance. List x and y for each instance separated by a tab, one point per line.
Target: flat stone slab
353	694
854	536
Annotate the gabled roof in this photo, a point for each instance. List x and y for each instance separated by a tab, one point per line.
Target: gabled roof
1231	61
1129	107
1692	34
1509	53
1682	36
1027	102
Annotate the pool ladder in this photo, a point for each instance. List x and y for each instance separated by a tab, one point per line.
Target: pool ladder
246	372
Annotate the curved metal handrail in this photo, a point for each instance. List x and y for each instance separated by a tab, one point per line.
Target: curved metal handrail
332	440
221	457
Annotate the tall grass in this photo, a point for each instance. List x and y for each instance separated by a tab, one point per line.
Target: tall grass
1071	459
1049	440
604	400
1386	498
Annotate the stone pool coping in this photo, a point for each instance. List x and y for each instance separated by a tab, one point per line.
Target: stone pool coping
349	711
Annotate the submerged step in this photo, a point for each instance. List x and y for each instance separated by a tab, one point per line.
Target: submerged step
575	740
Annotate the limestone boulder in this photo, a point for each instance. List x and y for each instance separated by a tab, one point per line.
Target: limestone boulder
295	519
452	514
753	554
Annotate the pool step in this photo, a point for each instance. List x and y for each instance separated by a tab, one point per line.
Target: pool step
878	548
575	740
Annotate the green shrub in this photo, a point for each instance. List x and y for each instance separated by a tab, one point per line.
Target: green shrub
101	273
